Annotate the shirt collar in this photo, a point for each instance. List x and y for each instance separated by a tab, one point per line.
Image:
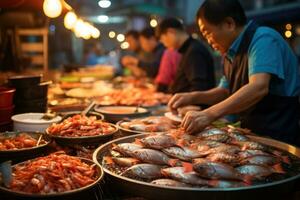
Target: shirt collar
236	44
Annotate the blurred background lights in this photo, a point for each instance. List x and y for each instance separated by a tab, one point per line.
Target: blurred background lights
111	34
70	20
120	37
52	8
102	18
104	3
153	22
124	45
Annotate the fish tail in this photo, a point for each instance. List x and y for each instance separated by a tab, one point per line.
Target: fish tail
247	179
173	162
188	167
286	160
213	183
108	160
138	141
278	169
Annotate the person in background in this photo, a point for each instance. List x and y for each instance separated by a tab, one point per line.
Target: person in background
196	68
261	81
151	45
134	49
167	70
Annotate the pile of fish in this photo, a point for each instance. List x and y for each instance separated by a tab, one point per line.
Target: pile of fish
19	141
57	172
218	158
79	125
148	124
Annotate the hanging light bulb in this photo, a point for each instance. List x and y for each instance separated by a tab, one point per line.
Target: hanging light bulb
95	32
85	32
70	20
52	8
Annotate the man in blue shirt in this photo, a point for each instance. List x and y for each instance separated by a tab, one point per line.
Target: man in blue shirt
261	79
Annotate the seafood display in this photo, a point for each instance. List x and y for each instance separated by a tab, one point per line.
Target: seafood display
133	97
213	158
79	125
148	124
55	173
19	141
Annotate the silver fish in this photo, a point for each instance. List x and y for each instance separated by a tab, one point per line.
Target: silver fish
180	174
158	141
144	171
154	157
182	153
210	132
215	170
258	171
169	182
262	160
127	149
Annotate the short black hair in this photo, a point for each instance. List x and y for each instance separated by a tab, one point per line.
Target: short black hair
132	33
171	22
147	32
215	11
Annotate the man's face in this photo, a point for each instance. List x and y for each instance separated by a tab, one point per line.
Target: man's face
147	44
218	36
168	39
133	43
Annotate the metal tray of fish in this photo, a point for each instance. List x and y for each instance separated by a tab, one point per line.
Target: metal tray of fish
274	189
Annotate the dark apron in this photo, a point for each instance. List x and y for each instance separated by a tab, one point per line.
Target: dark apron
274	116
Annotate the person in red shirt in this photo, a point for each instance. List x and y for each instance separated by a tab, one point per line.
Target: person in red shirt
167	70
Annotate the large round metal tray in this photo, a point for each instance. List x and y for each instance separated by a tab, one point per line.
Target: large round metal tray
21	154
68	194
273	190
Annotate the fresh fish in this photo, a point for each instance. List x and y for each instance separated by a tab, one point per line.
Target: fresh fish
249	153
224	157
143	171
169	182
204	145
158	141
182	153
127	148
227	184
137	127
252	145
259	171
180	174
218	138
230	149
262	160
211	131
125	162
216	170
154	157
238	136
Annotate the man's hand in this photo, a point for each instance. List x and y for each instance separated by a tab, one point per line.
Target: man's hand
196	121
180	100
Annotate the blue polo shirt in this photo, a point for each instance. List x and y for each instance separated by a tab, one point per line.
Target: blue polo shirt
270	53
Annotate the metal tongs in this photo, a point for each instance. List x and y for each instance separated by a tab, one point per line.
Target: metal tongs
88	109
